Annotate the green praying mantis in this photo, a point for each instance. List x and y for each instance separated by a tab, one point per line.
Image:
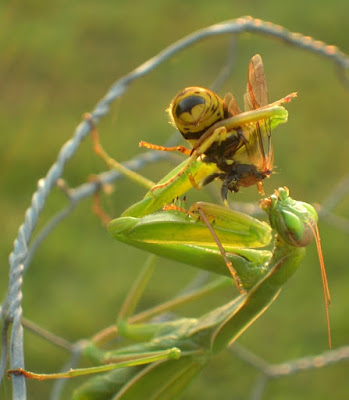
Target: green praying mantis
167	355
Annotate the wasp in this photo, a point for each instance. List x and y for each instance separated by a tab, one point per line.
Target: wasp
238	143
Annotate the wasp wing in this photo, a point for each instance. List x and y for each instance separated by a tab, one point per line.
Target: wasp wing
258	145
231	105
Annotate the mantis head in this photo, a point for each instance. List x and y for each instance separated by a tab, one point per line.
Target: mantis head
296	224
295	221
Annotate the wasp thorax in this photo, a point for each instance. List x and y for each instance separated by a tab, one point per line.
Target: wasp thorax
194	110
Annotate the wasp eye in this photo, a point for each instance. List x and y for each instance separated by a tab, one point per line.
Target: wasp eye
187	104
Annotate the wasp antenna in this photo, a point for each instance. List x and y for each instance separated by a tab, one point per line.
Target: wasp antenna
326	290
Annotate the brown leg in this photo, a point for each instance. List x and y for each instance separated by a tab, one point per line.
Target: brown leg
97	208
221	249
151	146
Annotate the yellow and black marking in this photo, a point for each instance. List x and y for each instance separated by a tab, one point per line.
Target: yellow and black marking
194	110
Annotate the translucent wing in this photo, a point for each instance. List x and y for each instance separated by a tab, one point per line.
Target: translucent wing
256	92
258	146
231	105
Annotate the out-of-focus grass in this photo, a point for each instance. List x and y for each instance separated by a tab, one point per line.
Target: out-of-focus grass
58	59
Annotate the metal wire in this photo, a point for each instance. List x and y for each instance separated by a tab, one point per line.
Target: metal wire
273	371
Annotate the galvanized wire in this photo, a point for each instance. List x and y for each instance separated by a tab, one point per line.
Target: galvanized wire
274	371
11	309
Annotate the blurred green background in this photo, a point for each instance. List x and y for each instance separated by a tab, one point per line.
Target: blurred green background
58	59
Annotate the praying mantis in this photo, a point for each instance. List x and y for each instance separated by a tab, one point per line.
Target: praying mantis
167	355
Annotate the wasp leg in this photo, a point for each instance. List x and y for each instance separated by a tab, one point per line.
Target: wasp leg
151	146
